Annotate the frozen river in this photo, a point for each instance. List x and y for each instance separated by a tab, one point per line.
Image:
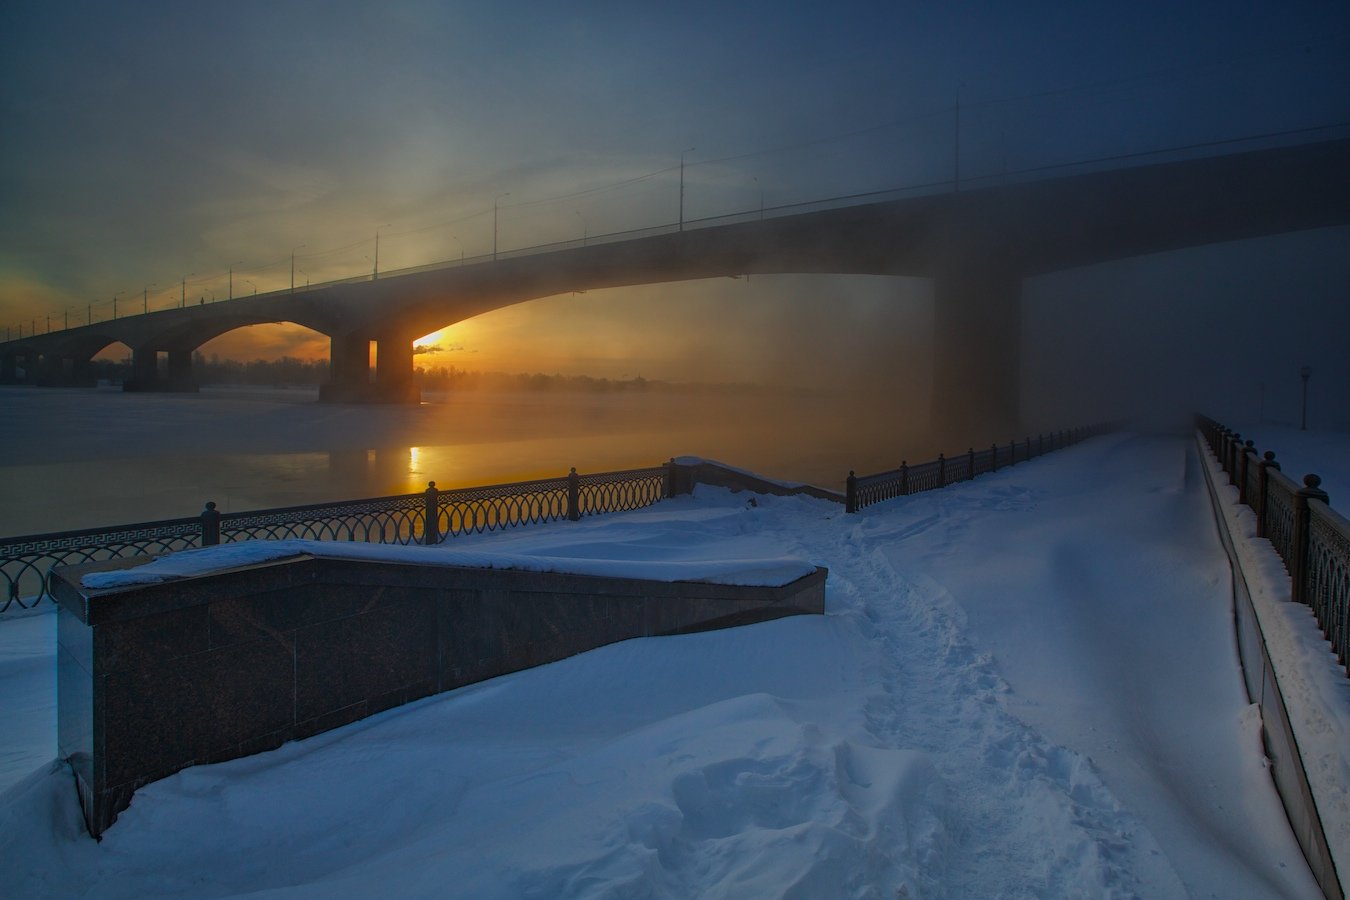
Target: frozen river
86	458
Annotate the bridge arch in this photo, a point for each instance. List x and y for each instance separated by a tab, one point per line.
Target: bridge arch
977	245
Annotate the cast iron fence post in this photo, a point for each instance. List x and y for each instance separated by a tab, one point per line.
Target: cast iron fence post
851	493
573	492
1248	451
1263	489
993	458
670	479
431	528
1012	452
904	477
942	470
210	525
971	453
1298	566
1230	460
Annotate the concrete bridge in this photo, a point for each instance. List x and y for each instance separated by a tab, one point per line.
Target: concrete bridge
977	245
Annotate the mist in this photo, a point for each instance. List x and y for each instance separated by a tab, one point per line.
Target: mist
1222	329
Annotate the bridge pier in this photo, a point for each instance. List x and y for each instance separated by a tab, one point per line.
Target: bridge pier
976	353
145	371
352	379
9	368
56	370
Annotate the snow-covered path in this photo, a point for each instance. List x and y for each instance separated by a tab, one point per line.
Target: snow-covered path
1024	686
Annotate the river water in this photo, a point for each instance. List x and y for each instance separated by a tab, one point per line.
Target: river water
95	457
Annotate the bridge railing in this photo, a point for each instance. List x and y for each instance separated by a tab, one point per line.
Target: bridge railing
1310	537
865	490
429	517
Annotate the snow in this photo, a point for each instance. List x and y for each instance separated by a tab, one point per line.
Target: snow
1313	684
1024	686
773	572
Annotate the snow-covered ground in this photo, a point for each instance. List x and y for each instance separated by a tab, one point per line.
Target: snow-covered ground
1024	686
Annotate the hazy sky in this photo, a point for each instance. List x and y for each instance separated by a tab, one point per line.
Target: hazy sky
151	143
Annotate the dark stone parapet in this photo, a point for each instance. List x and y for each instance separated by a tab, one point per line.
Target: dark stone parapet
157	677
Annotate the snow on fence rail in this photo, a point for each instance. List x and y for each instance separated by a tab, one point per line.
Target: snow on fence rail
1311	537
865	490
428	517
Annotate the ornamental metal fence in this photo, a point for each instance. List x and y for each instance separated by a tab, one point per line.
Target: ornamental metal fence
865	490
429	517
1310	537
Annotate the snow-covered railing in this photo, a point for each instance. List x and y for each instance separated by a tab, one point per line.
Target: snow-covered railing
1310	537
864	490
428	517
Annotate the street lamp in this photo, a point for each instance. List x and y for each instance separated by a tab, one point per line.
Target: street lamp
682	153
494	221
232	265
115	296
376	274
182	296
1305	373
145	298
293	249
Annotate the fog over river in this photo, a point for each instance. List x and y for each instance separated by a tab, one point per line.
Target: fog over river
86	458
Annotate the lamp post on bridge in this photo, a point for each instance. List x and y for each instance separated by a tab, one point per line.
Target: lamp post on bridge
1305	373
293	249
145	299
376	274
182	295
682	153
494	222
115	296
230	296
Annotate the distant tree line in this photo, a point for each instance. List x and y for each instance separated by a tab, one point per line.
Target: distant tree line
289	371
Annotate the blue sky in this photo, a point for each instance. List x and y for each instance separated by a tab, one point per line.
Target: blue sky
152	143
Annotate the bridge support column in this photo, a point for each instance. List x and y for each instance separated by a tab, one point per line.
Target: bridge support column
394	376
82	372
976	353
144	370
351	379
180	378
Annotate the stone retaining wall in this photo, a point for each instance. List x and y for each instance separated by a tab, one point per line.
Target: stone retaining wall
155	678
